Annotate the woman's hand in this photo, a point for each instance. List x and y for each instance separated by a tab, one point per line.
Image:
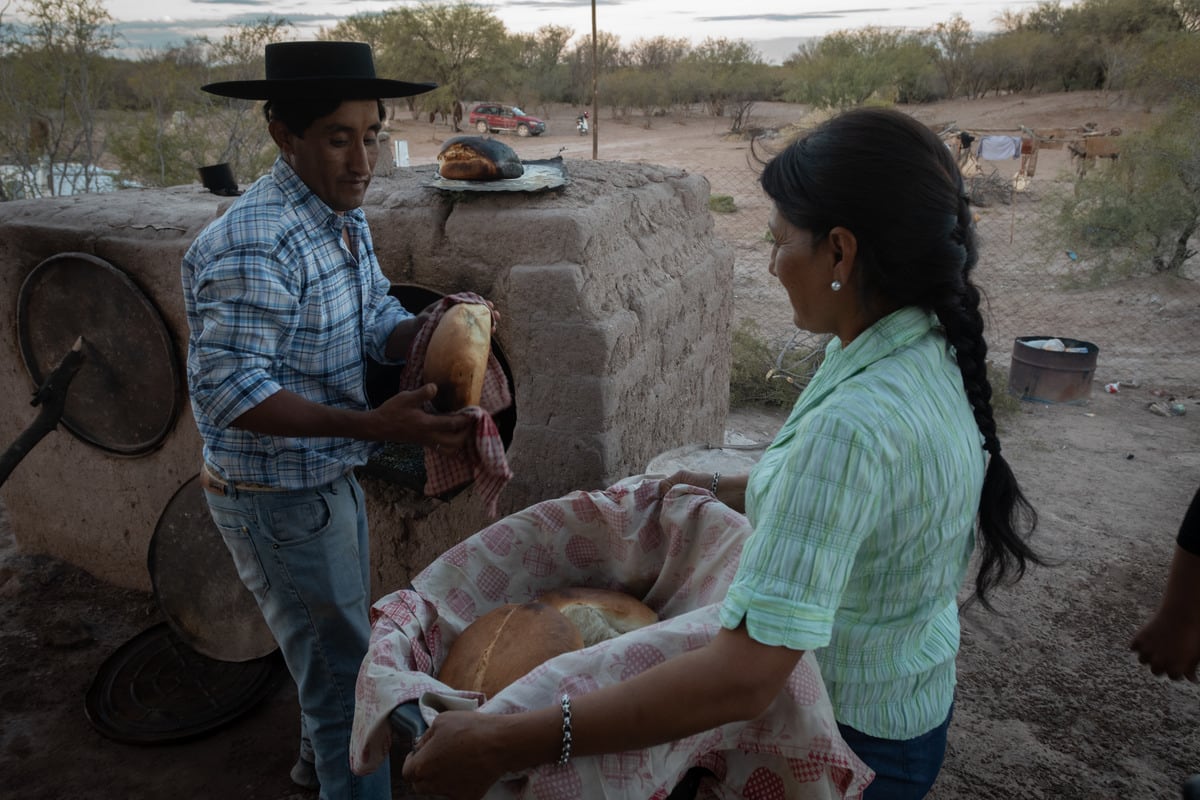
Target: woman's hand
731	678
459	757
687	477
729	489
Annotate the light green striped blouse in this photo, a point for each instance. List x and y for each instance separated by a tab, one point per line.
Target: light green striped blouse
863	510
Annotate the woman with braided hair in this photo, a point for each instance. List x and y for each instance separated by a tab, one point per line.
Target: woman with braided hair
888	473
866	508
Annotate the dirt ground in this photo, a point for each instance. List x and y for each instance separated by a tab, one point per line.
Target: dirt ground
1051	703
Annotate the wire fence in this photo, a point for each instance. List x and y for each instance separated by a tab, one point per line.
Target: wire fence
1145	328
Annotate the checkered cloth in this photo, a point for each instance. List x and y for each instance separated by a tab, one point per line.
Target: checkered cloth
486	463
677	552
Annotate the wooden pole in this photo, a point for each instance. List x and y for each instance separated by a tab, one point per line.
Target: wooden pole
595	90
52	397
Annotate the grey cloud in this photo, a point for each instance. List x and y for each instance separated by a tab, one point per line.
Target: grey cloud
799	17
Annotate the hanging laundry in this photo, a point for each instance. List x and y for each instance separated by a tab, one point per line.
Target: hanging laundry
999	148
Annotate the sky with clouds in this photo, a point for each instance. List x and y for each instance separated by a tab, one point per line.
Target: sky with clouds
156	23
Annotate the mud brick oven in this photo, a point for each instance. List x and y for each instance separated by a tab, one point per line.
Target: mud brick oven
615	298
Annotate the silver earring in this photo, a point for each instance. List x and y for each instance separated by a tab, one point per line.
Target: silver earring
836	286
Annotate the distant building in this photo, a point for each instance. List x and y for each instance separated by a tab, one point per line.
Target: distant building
19	182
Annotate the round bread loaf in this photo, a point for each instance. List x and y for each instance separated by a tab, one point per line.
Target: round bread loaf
600	614
476	158
457	356
505	644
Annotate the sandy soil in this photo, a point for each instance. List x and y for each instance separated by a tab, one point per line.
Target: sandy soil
1051	703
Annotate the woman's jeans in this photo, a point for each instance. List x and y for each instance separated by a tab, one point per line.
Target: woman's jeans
905	769
305	556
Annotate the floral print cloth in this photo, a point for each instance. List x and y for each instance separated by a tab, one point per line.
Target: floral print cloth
677	552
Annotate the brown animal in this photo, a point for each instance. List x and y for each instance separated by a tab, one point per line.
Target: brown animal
1085	151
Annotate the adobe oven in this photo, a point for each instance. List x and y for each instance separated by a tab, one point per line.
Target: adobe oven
615	301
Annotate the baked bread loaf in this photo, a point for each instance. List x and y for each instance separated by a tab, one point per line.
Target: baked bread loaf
456	358
600	614
476	158
505	644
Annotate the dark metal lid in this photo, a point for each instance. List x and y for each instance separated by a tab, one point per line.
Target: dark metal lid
197	586
155	689
127	394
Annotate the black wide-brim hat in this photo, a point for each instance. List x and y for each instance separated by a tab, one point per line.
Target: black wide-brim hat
318	70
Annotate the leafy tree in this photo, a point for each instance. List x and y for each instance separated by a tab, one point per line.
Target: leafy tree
461	47
52	86
660	54
182	128
916	78
609	58
730	72
235	129
165	143
847	68
953	47
385	32
1018	61
542	61
630	88
1144	212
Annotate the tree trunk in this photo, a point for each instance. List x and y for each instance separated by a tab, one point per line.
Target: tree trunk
1181	252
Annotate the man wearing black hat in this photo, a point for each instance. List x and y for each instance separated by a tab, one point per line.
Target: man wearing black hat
284	298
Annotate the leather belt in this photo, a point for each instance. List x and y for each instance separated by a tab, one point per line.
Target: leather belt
212	482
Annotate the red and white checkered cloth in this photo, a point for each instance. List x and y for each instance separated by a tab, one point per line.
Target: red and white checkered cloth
486	464
678	553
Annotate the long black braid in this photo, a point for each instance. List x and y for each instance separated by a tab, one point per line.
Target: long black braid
893	183
1004	510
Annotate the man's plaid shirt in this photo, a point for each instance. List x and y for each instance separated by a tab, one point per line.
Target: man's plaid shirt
274	300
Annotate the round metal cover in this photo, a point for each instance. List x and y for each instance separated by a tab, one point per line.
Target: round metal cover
197	584
155	689
126	395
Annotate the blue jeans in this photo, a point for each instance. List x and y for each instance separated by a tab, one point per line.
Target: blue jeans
305	556
905	769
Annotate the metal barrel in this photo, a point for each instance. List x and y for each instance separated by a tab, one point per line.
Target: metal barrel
1048	376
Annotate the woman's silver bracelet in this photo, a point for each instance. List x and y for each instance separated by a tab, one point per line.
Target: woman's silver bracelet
565	756
713	488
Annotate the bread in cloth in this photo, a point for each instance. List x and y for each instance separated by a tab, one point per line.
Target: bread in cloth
600	614
505	644
508	642
477	158
456	358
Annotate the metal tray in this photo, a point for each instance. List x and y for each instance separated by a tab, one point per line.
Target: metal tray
127	394
197	586
155	689
540	176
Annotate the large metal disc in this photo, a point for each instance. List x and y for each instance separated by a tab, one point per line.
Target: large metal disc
197	584
155	689
127	394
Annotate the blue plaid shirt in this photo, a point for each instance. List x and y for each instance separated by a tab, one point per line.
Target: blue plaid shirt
275	300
